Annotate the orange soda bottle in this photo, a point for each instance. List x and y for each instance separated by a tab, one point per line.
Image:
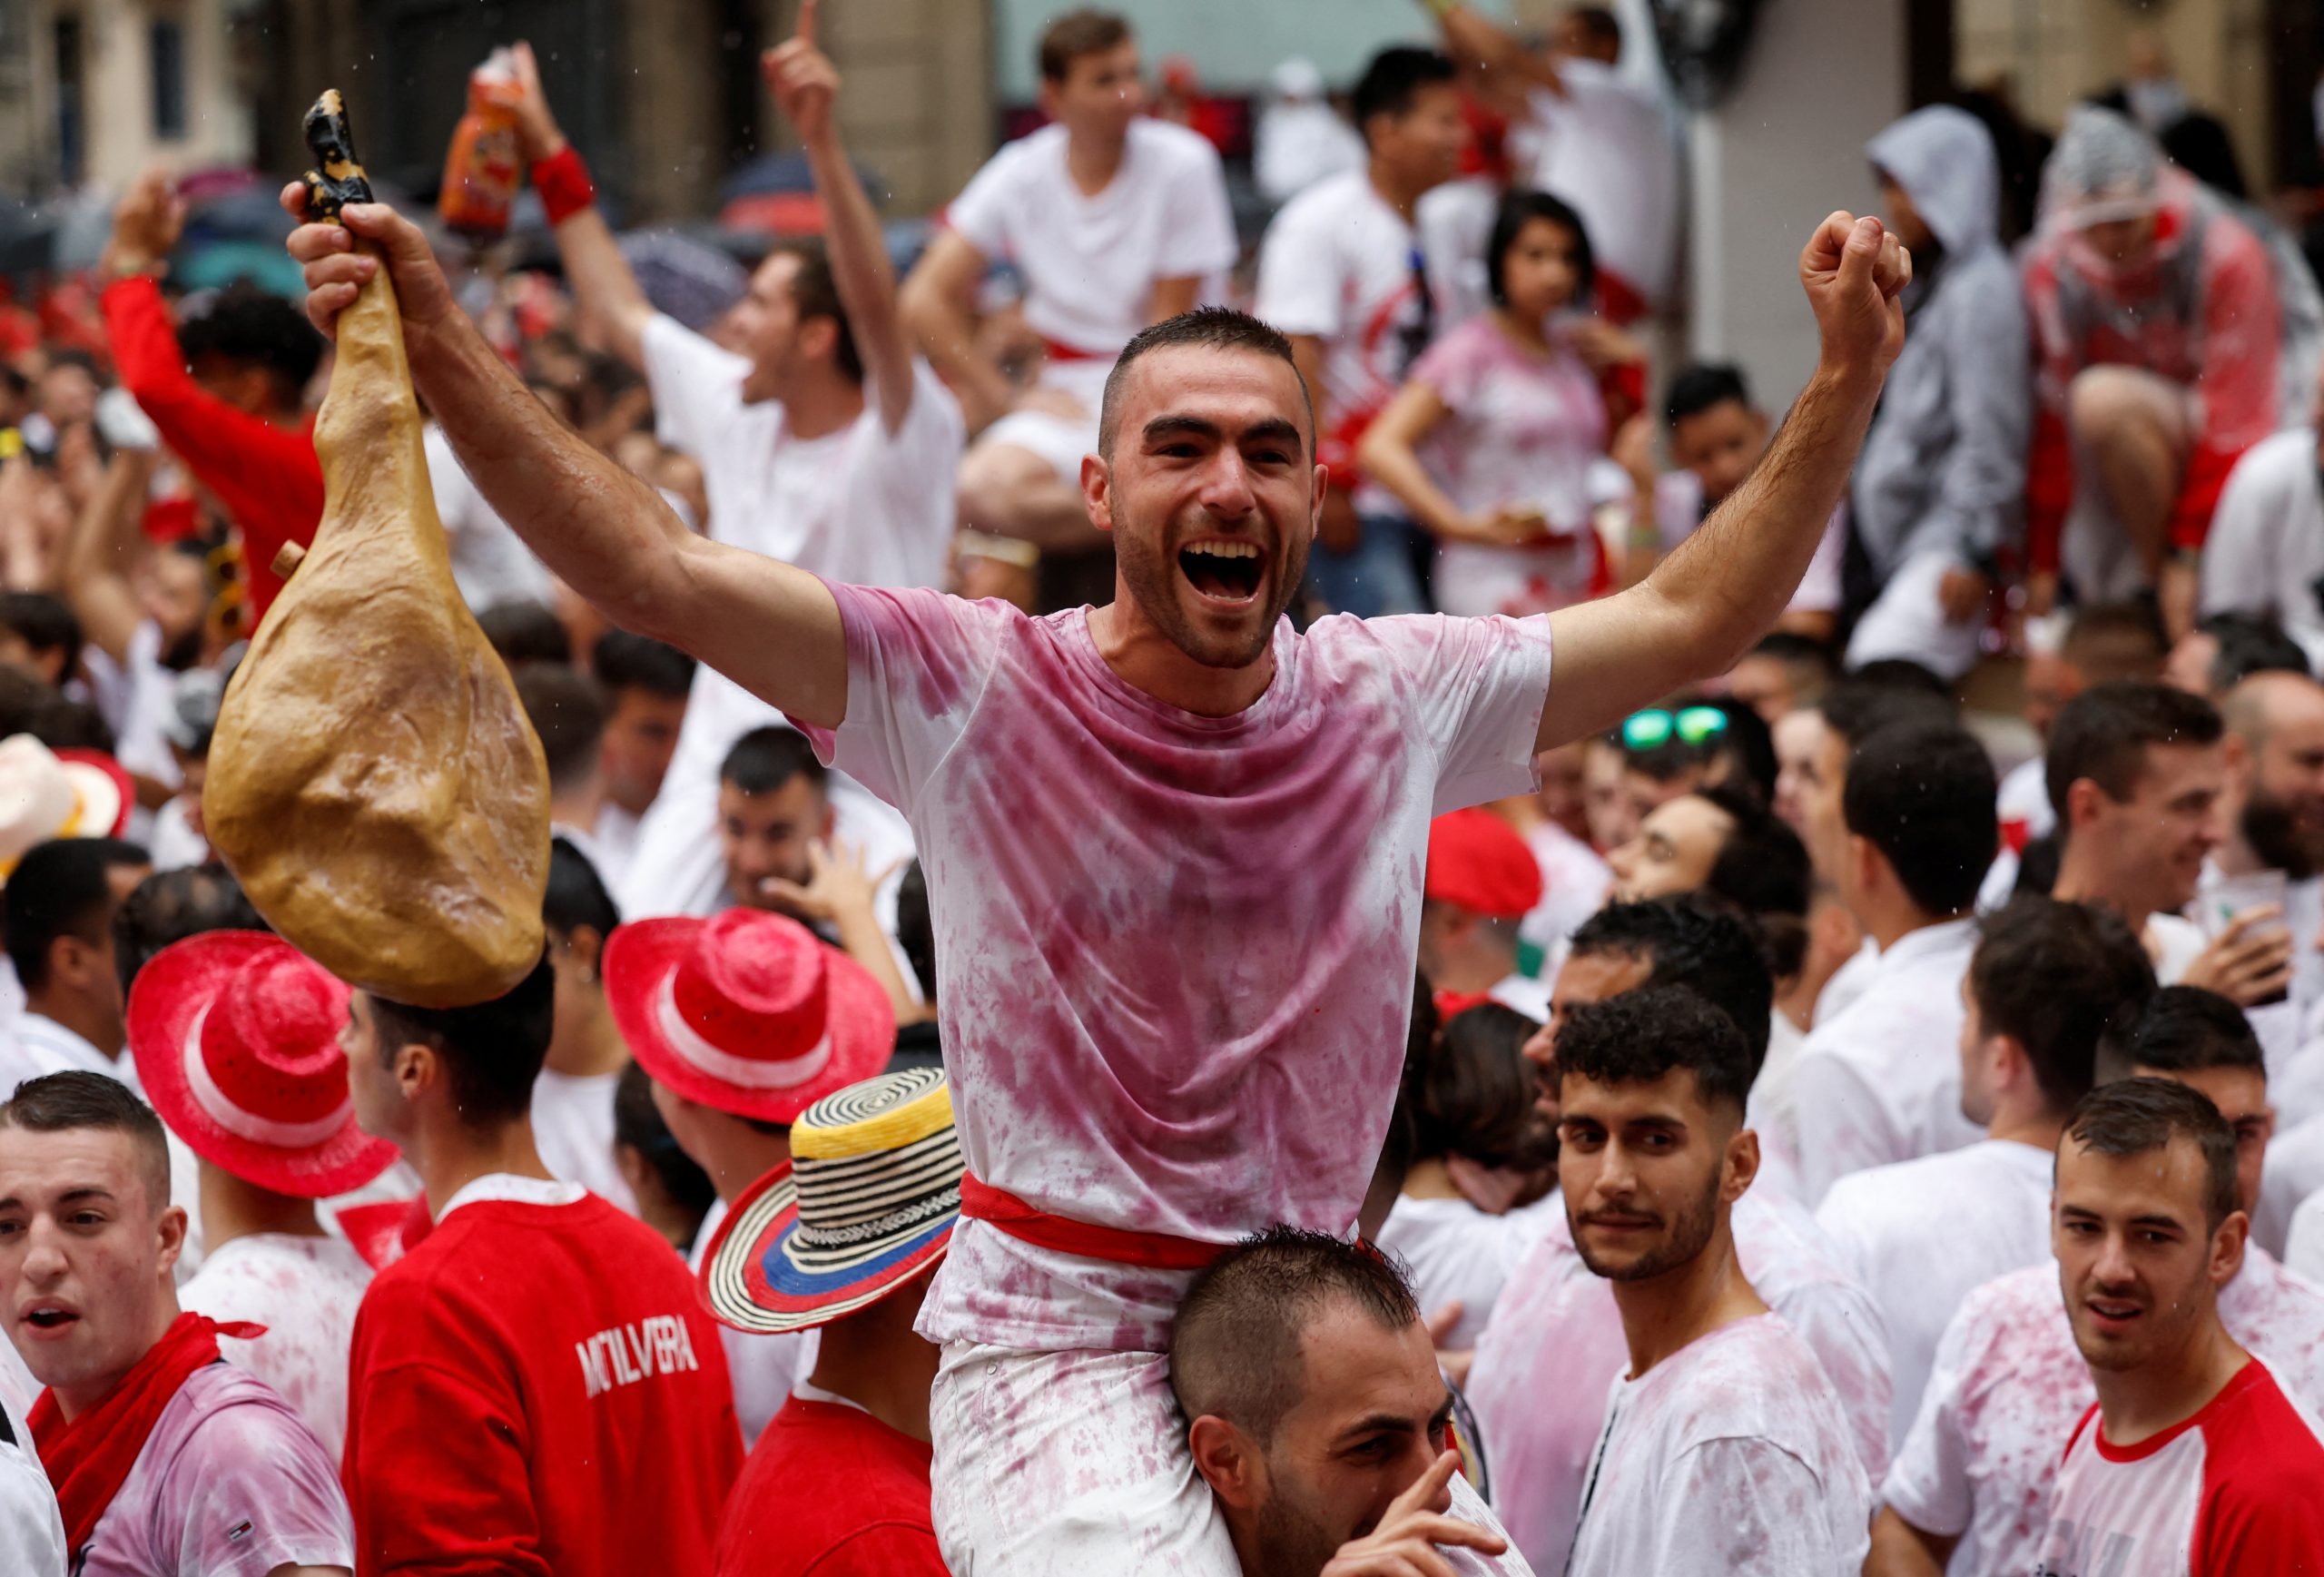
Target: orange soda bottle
480	170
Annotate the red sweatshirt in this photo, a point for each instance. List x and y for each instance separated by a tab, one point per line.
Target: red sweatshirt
830	1492
265	477
536	1390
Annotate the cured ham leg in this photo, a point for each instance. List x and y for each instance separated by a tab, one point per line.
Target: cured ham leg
373	782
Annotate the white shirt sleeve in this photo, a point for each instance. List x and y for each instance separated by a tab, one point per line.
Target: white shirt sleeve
919	463
918	666
1928	1484
1299	288
1200	238
979	214
1479	688
697	386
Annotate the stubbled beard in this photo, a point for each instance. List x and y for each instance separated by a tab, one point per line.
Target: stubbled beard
1291	1542
1689	1234
1152	576
2269	825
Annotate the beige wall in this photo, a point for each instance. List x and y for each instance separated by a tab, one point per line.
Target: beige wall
118	92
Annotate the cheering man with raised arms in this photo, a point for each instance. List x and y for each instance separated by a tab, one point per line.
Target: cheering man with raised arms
1113	803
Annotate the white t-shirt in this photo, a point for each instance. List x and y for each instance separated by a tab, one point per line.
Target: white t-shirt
2295	1173
1880	1081
1606	148
1098	863
2265	551
1728	1456
762	1369
1090	263
862	505
1848	982
305	1292
230	1484
32	1531
1340	264
2305	1253
1456	1251
1557	1332
573	1127
1982	1457
1922	1235
1679	510
2229	1491
490	562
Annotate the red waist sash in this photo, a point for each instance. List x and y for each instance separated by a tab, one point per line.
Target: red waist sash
1006	1212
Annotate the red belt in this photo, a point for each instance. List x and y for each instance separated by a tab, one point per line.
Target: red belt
1154	1250
1060	351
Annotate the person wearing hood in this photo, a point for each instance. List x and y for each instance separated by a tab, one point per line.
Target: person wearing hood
1939	488
2156	332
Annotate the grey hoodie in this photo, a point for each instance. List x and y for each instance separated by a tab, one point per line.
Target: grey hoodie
1944	467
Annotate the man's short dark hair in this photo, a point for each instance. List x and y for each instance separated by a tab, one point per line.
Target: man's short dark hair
1923	794
65	724
638	1126
1640	1036
1808	663
567	711
61	888
626	661
1206	328
1861	704
1762	866
1234	1347
1521	206
525	631
2137	1117
42	622
60	1102
916	928
814	293
1075	34
169	906
1393	80
2184	1029
1598	24
766	759
1694	942
1902	675
1473	1096
2103	735
250	327
2059	978
2114	640
576	894
2250	643
493	1050
1702	386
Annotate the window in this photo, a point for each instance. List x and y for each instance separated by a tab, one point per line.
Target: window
71	133
167	53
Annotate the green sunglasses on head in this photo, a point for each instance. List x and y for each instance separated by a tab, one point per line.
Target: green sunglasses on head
1688	724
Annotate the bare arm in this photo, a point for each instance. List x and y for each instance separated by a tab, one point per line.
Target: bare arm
805	87
936	308
608	291
1902	1549
773	628
1487	46
1726	585
97	555
1172	297
1390	456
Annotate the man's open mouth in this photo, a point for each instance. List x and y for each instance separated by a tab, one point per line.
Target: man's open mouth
49	1317
1224	571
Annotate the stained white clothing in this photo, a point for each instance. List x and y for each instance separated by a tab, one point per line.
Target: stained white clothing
305	1292
1455	1251
573	1128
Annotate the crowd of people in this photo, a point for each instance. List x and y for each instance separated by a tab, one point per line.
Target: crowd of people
1080	1034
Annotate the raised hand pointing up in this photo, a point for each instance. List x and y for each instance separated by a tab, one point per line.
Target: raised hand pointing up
803	79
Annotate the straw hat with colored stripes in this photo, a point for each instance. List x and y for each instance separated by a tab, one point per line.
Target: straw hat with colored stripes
866	1202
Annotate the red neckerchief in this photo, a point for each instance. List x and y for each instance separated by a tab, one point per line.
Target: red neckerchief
1451	1003
88	1459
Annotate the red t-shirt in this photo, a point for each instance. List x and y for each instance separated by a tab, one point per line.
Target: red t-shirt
535	1389
830	1492
2230	1491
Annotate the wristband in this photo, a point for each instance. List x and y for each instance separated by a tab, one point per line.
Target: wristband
563	182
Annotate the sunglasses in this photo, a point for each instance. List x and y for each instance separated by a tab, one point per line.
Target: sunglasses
1689	726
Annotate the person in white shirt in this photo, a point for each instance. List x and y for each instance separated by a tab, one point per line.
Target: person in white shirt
2265	551
2047	983
2136	773
824	443
2194	1459
489	564
1480	880
1973	1480
1556	1330
1470	1100
1300	138
646	685
31	1533
573	1099
1725	1447
1113	220
57	912
1342	273
1879	1080
1318	1418
236	1038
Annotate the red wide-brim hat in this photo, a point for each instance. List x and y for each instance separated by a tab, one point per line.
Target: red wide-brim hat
171	991
642	957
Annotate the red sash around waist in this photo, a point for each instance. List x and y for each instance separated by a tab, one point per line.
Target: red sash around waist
1059	351
1155	1250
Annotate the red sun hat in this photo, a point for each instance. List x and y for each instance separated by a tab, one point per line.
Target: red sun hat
1477	860
236	1037
747	1012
